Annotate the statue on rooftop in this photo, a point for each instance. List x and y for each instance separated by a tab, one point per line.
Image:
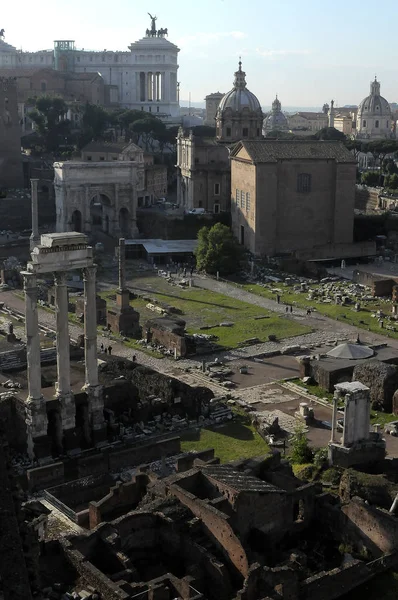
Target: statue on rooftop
153	25
2	32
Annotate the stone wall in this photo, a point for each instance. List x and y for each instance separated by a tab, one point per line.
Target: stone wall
366	198
167	332
10	136
41	477
16	211
381	379
15	360
12	419
13	573
123	496
373	524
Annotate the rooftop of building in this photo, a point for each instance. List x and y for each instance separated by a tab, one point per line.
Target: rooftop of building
237	480
265	151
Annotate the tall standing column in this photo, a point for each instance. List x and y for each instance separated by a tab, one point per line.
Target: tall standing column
122	264
334	416
90	326
63	353
92	387
35	237
65	435
36	415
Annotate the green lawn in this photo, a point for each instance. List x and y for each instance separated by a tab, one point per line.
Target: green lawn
346	314
231	441
203	307
314	389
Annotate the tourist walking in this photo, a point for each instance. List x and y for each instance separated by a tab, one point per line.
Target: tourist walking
109	350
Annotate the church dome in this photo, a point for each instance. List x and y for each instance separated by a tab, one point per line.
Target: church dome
276	119
239	97
374	104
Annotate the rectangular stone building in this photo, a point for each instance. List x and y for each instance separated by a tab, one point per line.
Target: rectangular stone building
289	196
203	173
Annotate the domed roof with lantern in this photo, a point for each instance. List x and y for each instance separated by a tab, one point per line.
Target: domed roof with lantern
374	104
239	97
276	119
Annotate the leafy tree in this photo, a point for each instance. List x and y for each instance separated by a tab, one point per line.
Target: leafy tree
371	178
389	166
275	134
354	145
300	451
391	181
380	148
218	250
53	128
330	133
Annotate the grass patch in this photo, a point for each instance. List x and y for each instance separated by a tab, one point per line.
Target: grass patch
203	308
382	418
313	389
234	440
346	314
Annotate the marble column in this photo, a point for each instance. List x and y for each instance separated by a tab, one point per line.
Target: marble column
92	388
334	417
90	326
61	315
122	264
32	335
35	414
35	237
62	387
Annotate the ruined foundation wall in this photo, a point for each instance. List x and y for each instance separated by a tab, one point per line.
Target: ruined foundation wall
373	524
219	529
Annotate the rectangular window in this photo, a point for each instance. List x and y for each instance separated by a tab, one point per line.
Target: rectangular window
304	183
245	132
247	201
228	132
102	157
216	209
242	199
216	189
237	196
89	158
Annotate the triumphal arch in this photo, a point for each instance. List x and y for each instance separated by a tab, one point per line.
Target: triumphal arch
98	196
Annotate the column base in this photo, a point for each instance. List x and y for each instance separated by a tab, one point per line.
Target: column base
95	401
38	442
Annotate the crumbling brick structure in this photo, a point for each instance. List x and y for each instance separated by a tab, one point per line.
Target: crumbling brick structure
168	332
247	530
100	307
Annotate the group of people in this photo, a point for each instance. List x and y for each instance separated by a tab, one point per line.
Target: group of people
105	350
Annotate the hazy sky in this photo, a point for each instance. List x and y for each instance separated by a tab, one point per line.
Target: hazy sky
307	51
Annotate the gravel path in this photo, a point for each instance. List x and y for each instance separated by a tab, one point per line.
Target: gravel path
326	331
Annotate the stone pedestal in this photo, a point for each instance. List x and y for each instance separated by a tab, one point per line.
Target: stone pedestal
96	413
38	442
124	319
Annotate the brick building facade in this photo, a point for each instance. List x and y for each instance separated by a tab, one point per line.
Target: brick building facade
292	195
10	135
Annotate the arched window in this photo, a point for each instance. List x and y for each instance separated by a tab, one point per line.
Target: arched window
376	124
245	132
304	183
363	123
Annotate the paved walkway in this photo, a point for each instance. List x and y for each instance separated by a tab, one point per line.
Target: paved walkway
326	331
